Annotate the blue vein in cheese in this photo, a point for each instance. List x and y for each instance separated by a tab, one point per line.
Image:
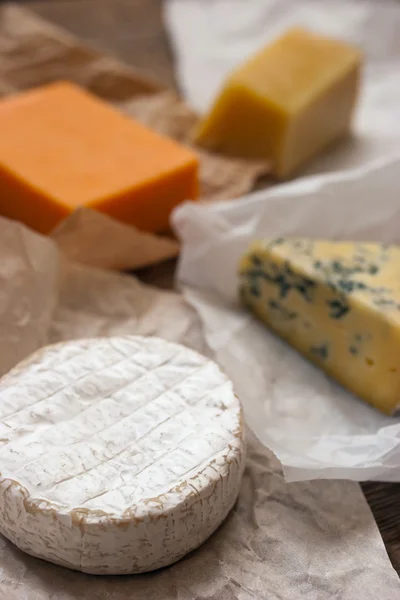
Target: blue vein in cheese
338	303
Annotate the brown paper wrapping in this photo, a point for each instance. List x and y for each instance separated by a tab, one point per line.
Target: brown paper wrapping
95	239
33	53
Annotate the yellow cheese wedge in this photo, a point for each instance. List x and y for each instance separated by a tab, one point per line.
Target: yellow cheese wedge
286	103
337	303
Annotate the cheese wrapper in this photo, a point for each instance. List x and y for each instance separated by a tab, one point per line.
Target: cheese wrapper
315	426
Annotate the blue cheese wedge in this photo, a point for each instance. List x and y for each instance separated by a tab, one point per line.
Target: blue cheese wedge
338	303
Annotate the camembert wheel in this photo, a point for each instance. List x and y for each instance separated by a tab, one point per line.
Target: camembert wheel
117	455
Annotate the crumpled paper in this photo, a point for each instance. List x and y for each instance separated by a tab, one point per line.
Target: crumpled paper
314	540
316	428
211	37
34	52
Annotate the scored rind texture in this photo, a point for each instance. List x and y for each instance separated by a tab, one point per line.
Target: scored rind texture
117	455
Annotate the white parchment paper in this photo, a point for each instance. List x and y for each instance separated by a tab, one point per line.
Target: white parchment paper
309	540
315	427
210	37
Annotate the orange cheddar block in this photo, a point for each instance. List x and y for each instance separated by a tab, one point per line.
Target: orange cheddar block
62	148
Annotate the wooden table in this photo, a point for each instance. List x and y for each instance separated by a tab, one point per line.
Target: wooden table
133	30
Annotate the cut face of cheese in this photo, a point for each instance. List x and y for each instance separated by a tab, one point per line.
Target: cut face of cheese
117	455
286	103
338	304
62	148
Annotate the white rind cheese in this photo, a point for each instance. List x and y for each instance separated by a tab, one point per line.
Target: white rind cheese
117	455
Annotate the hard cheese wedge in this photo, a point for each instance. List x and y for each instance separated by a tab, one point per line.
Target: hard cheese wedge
338	304
286	103
62	148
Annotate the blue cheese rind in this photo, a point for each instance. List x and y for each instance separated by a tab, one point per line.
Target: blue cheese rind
338	303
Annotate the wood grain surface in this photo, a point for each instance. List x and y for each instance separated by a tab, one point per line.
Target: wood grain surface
133	31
